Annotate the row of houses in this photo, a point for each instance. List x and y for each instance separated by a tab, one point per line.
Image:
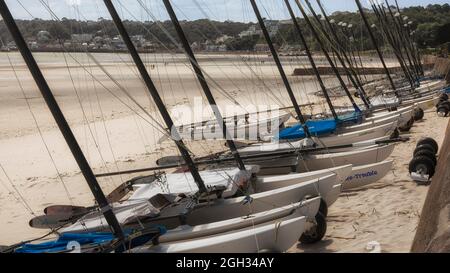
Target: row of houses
98	41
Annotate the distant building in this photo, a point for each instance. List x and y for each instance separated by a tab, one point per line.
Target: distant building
251	31
195	46
11	45
118	43
223	39
264	47
81	38
138	40
272	27
215	48
33	45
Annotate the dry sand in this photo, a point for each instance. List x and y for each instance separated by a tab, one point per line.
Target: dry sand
387	212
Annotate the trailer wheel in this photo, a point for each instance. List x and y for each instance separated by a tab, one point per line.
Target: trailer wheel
407	127
429	141
442	111
323	208
395	134
316	233
419	114
440	103
443	97
427	154
422	165
427	147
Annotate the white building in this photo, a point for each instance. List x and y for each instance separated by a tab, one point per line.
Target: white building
81	38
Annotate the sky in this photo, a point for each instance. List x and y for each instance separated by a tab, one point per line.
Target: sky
235	10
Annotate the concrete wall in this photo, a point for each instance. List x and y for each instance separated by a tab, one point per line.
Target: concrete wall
433	233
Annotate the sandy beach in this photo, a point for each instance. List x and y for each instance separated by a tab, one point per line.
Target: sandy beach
116	135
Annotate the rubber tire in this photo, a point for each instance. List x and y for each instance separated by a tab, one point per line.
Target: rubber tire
425	147
319	232
395	134
428	154
407	127
422	160
443	109
419	114
429	141
323	208
445	103
441	101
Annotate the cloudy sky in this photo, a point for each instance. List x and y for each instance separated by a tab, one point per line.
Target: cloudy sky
236	10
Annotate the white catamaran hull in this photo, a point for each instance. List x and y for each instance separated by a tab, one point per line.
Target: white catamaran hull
356	158
308	208
342	139
275	182
217	210
368	174
277	236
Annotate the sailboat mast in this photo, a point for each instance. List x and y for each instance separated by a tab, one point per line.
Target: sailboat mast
61	122
405	41
155	95
311	59
280	68
327	56
375	44
355	76
381	14
401	40
416	53
205	87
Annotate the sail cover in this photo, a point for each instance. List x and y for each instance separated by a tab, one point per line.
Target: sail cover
177	183
316	127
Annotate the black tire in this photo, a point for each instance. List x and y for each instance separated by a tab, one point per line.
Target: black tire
316	233
443	110
440	103
443	97
419	114
323	208
429	141
445	103
407	127
395	134
428	154
427	147
422	164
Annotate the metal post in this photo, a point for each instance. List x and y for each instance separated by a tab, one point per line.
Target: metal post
203	83
61	121
311	59
375	44
155	95
325	52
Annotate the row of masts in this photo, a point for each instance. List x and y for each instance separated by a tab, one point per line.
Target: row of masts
396	40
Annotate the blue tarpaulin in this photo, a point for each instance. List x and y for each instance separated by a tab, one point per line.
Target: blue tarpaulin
320	127
317	128
97	238
62	242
